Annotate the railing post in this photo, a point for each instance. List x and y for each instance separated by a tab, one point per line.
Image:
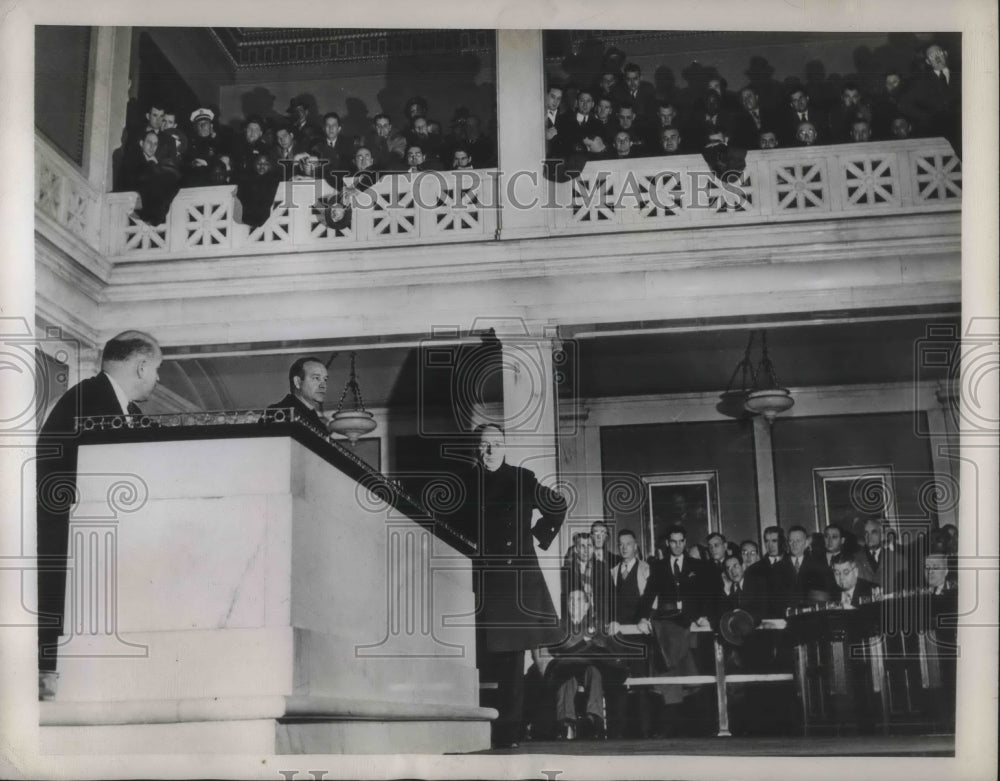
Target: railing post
721	696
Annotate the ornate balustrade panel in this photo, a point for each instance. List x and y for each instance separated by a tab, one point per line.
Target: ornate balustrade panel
204	221
779	185
662	193
63	193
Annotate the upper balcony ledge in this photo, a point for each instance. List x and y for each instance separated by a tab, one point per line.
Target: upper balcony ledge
779	185
910	178
67	207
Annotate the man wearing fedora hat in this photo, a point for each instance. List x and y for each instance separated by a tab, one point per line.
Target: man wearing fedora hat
307	132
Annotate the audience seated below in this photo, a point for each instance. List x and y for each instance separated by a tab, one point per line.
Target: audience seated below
626	617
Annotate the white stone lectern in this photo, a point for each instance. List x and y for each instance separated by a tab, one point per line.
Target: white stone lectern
248	594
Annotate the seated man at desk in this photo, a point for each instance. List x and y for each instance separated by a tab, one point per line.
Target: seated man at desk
853	588
306	393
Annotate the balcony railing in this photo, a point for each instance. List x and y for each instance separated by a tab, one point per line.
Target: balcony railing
780	185
399	210
63	194
661	193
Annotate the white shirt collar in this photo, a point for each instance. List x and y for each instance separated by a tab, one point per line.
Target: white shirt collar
119	393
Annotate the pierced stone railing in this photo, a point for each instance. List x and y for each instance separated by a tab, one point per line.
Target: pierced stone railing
64	194
660	193
821	182
402	209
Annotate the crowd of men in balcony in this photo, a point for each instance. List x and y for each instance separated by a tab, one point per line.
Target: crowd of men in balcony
622	116
619	117
629	617
160	157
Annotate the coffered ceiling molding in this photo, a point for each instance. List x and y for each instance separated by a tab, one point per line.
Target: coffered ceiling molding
250	48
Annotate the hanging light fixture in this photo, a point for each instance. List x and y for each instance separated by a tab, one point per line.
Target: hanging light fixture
357	421
760	390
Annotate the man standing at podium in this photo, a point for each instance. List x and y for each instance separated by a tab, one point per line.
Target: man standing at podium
129	365
306	392
506	509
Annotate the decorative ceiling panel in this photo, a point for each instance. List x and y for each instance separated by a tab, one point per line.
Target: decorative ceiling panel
259	47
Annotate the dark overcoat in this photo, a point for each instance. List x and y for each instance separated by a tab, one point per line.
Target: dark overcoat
514	609
55	473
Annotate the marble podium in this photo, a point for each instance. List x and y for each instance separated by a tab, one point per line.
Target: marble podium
259	593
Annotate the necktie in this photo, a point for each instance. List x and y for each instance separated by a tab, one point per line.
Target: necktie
943	76
736	589
846	599
677	569
133	408
798	561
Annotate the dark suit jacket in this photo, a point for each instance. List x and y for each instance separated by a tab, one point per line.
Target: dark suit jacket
55	480
743	131
695	590
934	107
93	396
725	159
839	123
245	156
209	149
698	128
553	146
811	583
789	123
644	101
885	109
779	580
513	608
752	598
309	416
338	158
886	574
571	133
308	134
